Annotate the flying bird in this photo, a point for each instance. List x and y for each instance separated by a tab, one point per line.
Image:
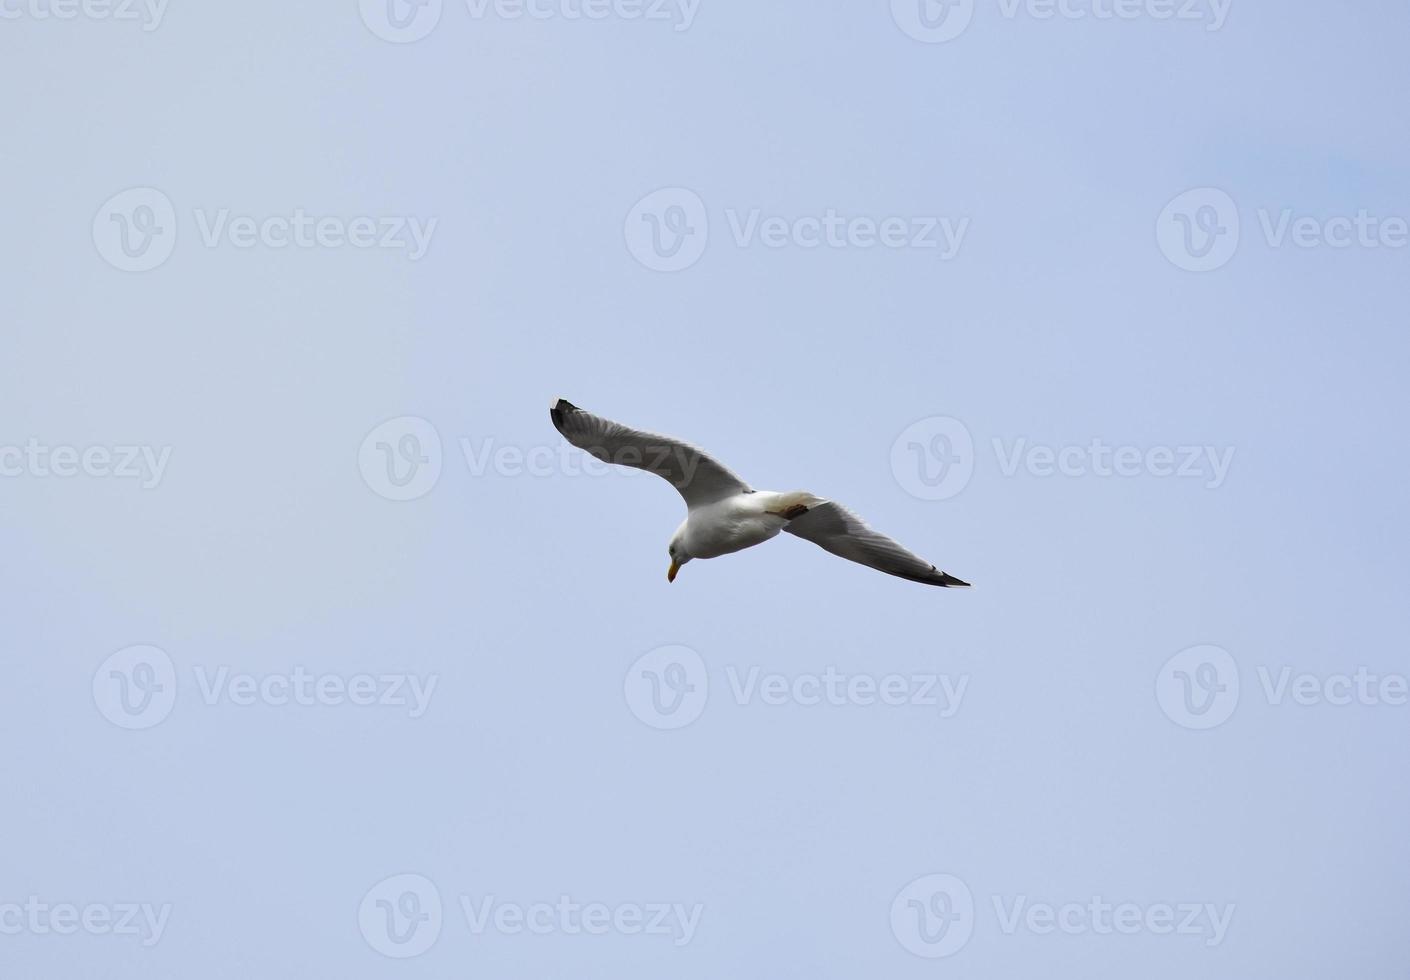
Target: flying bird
724	514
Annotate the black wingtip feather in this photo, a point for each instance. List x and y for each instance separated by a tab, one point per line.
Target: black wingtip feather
560	408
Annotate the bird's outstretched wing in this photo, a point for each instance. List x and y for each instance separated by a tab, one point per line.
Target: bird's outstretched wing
700	478
836	529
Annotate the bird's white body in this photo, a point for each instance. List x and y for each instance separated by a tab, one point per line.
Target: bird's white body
737	522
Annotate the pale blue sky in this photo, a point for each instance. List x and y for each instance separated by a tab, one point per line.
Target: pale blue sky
528	594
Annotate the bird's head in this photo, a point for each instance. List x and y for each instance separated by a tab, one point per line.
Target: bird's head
679	553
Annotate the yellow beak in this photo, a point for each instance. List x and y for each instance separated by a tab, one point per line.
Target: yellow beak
671	573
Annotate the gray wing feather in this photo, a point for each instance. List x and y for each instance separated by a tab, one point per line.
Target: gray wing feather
700	478
834	528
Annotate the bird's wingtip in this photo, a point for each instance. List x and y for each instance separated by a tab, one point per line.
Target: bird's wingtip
558	408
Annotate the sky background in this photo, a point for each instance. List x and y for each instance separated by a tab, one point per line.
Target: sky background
1082	763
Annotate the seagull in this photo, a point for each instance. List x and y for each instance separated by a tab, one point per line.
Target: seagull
724	514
